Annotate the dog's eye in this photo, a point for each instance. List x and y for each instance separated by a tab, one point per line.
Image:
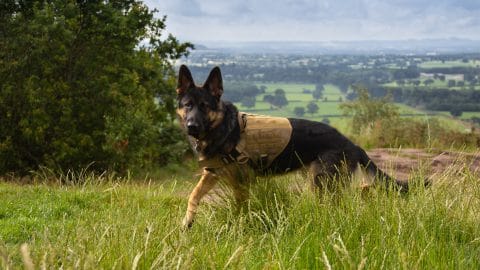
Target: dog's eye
188	105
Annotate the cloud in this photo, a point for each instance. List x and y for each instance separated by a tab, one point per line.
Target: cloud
315	20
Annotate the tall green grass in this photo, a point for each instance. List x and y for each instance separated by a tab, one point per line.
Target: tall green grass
108	223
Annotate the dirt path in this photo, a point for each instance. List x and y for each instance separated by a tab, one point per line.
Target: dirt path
400	162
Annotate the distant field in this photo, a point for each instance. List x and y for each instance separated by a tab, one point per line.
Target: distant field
295	91
405	109
447	64
465	115
297	98
468	115
330	109
436	84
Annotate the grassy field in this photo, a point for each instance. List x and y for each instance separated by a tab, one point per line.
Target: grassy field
107	223
330	109
296	98
468	115
448	64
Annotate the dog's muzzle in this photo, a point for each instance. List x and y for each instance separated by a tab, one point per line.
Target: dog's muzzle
193	129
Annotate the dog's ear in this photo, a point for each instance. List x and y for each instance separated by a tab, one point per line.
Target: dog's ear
214	82
185	80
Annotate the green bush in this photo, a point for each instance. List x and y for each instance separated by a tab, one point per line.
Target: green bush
377	123
417	133
365	112
85	83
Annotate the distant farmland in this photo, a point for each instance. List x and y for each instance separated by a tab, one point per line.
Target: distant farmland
329	109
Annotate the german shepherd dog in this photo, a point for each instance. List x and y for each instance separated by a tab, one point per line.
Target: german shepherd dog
214	129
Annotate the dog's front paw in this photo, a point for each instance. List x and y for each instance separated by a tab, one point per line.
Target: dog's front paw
187	223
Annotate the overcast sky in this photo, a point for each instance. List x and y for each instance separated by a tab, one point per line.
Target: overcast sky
322	20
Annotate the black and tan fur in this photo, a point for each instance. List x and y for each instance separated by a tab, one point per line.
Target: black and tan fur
213	129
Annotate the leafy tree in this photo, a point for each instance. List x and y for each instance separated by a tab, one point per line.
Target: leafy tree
299	111
278	100
319	87
85	82
411	72
312	107
236	91
279	92
268	98
317	94
428	82
456	112
263	89
366	111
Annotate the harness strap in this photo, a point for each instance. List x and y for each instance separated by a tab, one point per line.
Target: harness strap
237	155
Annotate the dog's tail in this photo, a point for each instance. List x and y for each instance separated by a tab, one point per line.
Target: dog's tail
372	169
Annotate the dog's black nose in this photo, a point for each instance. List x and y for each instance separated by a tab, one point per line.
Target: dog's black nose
193	129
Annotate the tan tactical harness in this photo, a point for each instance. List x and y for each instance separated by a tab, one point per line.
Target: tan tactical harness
262	139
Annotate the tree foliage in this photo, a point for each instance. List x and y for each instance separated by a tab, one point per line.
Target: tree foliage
365	112
236	91
299	111
456	112
279	99
312	107
85	82
318	92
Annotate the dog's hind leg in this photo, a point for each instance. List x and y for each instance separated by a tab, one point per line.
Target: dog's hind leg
206	183
368	164
239	178
323	175
330	169
240	192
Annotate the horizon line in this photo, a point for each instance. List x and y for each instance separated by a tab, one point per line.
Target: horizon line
336	40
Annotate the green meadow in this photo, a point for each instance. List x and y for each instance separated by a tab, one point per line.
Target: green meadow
103	222
297	98
448	64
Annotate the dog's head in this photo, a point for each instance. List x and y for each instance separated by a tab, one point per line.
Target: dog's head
199	107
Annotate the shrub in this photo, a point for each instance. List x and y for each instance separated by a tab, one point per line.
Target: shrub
365	112
85	82
377	123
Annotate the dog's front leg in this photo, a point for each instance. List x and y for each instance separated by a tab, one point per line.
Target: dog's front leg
206	183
